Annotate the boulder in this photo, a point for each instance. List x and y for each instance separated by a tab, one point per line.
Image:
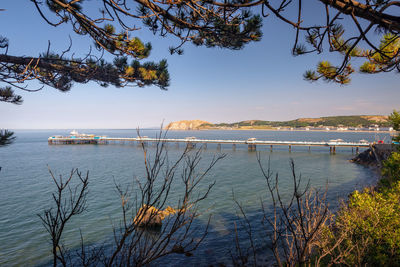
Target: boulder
375	155
149	216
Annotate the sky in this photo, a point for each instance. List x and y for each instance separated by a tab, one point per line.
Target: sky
262	81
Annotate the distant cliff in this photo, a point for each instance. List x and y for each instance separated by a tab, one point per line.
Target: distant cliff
187	125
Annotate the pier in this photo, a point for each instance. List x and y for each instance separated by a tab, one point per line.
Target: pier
251	143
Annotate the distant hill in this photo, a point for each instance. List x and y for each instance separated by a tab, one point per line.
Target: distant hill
333	121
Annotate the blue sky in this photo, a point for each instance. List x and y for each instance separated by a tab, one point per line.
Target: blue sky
262	81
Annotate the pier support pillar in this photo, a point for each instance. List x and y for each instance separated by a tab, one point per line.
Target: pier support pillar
330	150
309	148
205	146
334	149
271	148
290	148
234	147
219	147
252	147
356	150
190	145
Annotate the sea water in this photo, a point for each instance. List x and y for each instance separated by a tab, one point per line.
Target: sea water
26	186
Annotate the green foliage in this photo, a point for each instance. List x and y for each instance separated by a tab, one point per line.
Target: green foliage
233	35
329	73
207	26
6	137
118	73
310	75
366	231
352	121
231	24
345	47
325	68
368	67
300	49
110	29
334	121
391	170
206	125
61	71
394	118
8	95
371	226
391	167
386	56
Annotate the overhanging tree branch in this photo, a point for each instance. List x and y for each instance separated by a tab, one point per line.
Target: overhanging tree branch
229	24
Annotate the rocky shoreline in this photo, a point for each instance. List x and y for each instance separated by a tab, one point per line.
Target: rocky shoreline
374	155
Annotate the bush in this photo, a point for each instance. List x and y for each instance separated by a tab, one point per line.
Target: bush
371	226
366	230
391	170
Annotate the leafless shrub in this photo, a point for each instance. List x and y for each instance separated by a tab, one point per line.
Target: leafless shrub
137	240
69	202
295	227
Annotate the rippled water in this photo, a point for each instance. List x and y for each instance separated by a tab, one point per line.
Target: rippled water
26	186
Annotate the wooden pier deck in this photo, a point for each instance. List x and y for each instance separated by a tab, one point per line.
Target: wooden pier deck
251	142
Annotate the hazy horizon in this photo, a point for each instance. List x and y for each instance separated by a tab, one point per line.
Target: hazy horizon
166	123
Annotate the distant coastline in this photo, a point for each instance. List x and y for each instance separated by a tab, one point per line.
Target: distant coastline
283	130
356	123
288	130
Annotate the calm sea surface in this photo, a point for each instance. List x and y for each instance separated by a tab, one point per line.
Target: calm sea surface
26	186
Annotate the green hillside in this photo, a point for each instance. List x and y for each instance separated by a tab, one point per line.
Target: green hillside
334	121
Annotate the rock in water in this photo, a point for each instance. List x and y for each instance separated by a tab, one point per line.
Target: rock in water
149	216
368	157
